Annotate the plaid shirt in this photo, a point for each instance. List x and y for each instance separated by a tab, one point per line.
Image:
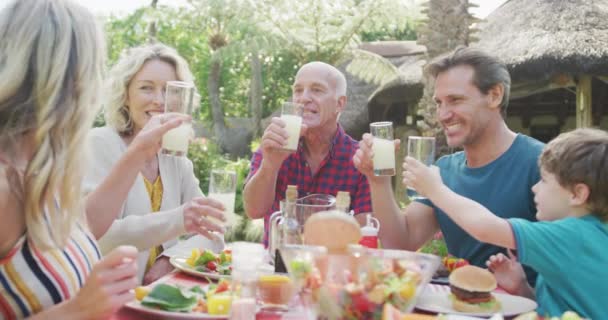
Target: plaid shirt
336	173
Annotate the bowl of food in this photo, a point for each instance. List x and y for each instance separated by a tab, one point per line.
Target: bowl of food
370	279
384	276
304	264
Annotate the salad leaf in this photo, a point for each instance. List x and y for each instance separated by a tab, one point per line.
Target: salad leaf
205	257
300	268
171	298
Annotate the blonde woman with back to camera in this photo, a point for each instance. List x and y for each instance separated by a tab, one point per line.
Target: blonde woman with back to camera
51	61
156	197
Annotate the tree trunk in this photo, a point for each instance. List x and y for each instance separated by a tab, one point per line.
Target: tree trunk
152	26
255	92
213	88
583	102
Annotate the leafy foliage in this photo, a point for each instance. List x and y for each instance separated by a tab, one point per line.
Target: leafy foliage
371	67
435	246
329	30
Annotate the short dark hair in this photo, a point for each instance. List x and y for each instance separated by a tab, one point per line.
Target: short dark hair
581	156
489	70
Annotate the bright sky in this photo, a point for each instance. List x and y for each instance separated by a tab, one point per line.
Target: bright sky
126	6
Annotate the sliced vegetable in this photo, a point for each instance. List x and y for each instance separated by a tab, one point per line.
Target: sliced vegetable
171	298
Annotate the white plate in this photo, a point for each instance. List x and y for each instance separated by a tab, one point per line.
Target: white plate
180	264
440	303
136	305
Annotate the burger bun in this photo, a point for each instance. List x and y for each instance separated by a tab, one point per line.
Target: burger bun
332	229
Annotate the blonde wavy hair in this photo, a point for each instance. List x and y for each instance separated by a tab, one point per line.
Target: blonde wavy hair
51	67
116	113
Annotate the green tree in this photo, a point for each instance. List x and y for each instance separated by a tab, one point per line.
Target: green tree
331	31
232	33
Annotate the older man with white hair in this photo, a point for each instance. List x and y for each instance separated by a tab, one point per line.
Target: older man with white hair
322	162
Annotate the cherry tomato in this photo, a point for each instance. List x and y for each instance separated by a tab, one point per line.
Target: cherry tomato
461	263
211	265
222	286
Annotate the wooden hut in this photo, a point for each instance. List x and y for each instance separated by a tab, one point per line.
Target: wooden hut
557	54
393	100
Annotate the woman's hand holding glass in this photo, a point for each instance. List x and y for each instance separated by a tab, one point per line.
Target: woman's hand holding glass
201	215
425	179
109	285
148	141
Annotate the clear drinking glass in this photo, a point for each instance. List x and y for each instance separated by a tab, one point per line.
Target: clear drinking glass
384	148
423	150
291	113
275	291
222	187
179	98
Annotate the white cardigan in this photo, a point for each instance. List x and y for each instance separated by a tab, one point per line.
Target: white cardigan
136	224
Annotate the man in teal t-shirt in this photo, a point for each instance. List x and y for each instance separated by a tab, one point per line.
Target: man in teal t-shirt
497	166
504	186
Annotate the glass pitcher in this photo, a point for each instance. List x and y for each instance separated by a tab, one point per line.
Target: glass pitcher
305	207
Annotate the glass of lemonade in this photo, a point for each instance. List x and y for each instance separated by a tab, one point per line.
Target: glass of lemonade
423	150
275	291
179	98
222	187
383	147
291	113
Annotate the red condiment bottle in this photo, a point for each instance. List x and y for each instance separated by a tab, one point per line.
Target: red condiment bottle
369	232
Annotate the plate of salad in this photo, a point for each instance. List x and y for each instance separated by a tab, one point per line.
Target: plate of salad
180	302
205	264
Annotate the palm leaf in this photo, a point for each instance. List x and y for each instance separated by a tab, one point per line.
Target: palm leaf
371	67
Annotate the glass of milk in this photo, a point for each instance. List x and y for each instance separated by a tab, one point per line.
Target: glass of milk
383	148
179	98
423	150
222	187
291	114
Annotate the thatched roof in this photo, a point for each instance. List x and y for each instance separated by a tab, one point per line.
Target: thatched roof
407	86
540	38
359	113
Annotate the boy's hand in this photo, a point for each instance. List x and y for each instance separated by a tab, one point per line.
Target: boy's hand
508	271
424	179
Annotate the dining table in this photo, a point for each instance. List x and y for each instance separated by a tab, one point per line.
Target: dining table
180	278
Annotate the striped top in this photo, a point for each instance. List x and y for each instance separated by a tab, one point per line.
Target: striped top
32	280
